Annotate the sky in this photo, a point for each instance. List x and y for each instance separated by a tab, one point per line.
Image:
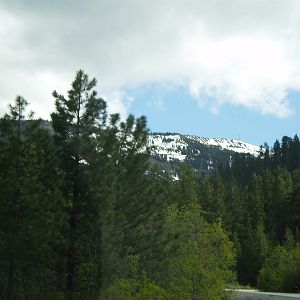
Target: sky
211	68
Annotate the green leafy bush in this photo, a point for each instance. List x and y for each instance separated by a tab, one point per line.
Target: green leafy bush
281	271
134	289
199	259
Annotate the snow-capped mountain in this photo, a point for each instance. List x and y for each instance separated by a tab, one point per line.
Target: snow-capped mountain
173	145
202	153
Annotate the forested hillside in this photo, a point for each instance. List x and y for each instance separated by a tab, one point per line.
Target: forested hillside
262	214
203	154
86	214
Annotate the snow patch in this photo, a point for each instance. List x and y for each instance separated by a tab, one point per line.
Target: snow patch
171	146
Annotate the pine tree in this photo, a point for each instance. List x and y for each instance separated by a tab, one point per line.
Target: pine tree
276	154
199	258
186	190
266	157
286	152
106	187
235	210
77	120
30	208
11	167
212	197
253	242
280	202
293	207
128	196
219	198
294	153
255	201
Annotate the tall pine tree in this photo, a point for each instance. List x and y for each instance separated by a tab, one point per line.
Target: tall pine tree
78	119
30	204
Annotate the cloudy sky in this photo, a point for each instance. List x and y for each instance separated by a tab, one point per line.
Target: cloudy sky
214	68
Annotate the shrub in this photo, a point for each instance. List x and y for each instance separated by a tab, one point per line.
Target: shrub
134	289
281	271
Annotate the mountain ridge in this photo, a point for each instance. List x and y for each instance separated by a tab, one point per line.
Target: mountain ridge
203	154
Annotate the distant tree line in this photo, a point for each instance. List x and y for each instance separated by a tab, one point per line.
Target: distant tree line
262	214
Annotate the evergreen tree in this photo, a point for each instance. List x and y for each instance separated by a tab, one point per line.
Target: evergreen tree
254	243
294	153
77	120
294	203
280	202
200	257
120	185
219	198
30	204
286	152
207	199
186	190
276	154
235	210
266	157
255	201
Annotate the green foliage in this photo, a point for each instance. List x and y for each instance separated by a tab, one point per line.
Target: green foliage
132	283
198	262
234	216
200	257
104	161
255	201
281	270
135	289
84	215
186	190
206	196
79	117
294	203
31	205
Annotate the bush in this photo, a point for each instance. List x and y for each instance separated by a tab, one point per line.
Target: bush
281	271
134	289
199	260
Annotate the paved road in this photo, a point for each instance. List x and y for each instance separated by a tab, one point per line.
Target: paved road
256	295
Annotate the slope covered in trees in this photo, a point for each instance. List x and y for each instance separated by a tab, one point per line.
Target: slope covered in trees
262	214
84	214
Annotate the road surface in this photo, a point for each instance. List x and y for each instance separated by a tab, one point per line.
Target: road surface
256	295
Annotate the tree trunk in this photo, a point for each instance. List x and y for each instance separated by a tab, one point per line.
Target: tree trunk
10	289
71	256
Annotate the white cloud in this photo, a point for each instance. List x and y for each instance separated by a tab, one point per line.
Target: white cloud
245	53
118	102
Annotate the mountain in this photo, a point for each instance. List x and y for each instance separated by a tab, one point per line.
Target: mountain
203	154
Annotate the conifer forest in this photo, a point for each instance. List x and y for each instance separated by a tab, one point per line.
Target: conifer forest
85	213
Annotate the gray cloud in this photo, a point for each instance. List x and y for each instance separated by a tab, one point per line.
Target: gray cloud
239	52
